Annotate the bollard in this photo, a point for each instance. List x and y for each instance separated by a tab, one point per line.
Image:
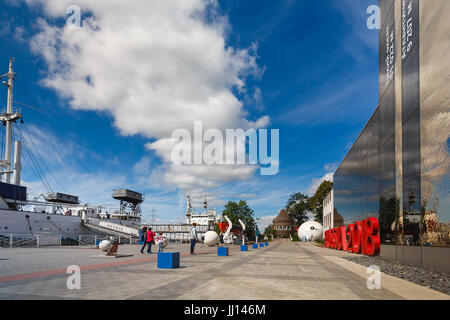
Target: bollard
244	247
168	260
261	245
267	244
255	246
11	240
222	251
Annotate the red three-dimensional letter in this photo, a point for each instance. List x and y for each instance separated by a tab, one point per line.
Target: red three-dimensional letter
349	232
333	238
371	236
338	239
356	237
327	238
343	238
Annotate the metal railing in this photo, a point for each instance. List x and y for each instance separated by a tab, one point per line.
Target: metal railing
49	240
19	240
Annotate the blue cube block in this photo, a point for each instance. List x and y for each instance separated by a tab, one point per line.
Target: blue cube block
168	260
222	251
267	244
261	245
255	246
244	247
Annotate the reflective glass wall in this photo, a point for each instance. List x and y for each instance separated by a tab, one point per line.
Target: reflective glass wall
364	184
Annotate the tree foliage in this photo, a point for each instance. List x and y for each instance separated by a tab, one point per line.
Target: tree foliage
316	201
269	230
298	207
241	210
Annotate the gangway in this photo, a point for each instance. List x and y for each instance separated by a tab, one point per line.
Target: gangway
110	227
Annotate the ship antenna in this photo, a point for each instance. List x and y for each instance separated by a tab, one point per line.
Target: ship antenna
8	118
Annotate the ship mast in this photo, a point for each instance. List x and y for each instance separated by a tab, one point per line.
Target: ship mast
8	118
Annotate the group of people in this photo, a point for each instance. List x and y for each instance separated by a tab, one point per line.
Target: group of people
149	238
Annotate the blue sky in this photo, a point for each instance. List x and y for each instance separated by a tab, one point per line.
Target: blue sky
310	67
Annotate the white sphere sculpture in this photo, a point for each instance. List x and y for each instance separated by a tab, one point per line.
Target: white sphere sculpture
105	245
311	231
211	238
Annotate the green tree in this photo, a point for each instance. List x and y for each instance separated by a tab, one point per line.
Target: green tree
316	201
298	207
269	230
241	210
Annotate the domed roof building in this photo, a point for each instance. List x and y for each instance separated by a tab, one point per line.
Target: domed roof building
283	224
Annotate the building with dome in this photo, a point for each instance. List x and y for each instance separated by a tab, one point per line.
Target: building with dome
283	224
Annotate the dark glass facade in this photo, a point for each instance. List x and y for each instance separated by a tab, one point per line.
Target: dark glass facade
411	123
364	184
398	168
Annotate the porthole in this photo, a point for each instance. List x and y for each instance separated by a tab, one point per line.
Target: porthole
6	228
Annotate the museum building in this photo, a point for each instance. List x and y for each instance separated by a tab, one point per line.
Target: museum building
398	170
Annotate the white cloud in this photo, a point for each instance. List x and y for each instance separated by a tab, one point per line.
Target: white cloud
331	166
317	181
265	221
155	66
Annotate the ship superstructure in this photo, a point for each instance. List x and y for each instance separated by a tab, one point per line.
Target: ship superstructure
209	217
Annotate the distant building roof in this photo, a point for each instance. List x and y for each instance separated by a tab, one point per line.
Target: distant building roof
283	217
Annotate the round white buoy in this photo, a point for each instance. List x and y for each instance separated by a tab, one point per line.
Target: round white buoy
105	245
311	231
211	238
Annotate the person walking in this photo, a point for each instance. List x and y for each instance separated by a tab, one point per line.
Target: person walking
193	234
143	238
149	240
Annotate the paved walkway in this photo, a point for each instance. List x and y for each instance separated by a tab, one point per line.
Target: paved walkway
281	271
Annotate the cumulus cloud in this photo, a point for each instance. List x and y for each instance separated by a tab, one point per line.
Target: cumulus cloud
265	221
317	181
331	166
155	66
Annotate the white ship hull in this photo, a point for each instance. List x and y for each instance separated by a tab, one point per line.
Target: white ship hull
16	222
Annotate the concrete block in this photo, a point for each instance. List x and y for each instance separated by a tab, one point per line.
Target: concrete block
168	260
222	251
255	246
267	244
244	247
261	245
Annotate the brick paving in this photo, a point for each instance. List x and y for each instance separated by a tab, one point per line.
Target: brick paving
282	271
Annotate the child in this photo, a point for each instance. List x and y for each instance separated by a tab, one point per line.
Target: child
160	240
221	239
